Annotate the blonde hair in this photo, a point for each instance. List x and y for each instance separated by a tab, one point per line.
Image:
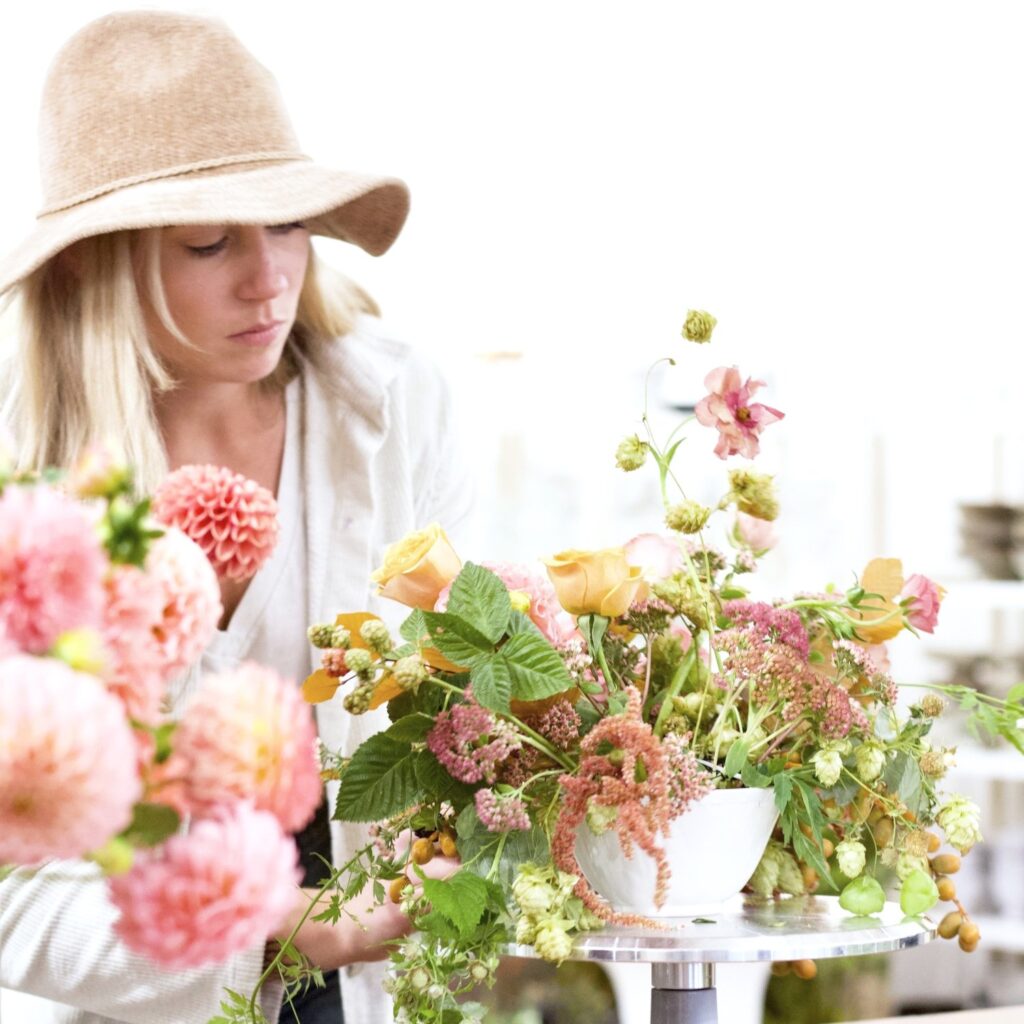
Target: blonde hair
84	372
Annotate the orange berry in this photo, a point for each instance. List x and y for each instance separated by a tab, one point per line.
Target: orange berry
780	968
883	832
397	887
448	847
946	864
950	924
805	969
934	842
947	888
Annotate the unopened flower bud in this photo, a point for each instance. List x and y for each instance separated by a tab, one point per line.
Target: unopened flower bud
419	979
334	662
435	992
321	635
851	856
698	326
357	701
932	705
687	517
630	454
409	672
358	660
478	972
376	636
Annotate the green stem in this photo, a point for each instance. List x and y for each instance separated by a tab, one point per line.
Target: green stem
684	669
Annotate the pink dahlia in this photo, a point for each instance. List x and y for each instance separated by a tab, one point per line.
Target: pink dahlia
133	611
68	775
51	567
557	625
249	735
728	408
222	888
924	596
191	605
233	519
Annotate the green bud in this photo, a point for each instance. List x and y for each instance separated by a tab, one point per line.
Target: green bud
754	493
870	759
375	634
630	454
960	819
552	943
687	517
358	660
828	766
698	326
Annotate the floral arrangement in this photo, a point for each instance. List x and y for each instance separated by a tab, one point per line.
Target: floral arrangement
102	607
613	692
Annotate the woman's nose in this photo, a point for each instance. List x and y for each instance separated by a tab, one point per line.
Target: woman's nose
262	277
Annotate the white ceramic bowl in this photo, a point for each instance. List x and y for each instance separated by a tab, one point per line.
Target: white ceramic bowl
712	850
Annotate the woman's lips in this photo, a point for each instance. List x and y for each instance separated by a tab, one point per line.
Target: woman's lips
259	335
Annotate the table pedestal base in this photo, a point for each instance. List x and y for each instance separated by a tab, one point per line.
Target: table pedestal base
683	994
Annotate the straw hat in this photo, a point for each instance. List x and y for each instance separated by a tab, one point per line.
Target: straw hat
152	119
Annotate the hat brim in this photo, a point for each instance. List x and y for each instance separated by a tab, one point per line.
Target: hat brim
366	210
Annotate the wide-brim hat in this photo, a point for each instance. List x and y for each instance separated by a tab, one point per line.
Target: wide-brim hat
150	119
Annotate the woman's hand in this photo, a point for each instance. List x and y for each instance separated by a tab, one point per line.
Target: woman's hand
364	929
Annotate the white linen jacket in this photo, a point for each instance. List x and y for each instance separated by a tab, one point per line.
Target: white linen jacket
380	459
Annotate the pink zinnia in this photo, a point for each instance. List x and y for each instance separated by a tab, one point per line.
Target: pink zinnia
51	567
191	600
729	409
68	775
924	596
233	519
248	735
222	888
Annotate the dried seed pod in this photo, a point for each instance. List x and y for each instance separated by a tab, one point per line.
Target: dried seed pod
934	842
397	887
422	851
946	864
810	877
448	847
947	888
883	832
827	848
969	934
950	924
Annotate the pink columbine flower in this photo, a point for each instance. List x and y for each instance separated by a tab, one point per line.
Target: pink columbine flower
68	774
471	743
729	409
248	735
222	888
51	567
924	596
233	519
658	556
191	600
757	534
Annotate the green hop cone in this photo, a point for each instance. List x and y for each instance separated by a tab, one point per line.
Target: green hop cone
870	759
791	878
919	893
828	766
960	819
553	943
851	856
862	896
765	879
698	326
533	891
526	931
630	454
687	517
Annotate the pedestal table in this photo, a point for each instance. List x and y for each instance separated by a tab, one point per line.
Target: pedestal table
745	929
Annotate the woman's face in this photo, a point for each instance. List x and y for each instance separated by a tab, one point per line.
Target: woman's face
233	291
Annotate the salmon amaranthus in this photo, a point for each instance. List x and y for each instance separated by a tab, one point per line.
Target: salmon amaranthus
611	690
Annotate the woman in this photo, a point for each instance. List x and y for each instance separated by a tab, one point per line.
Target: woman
170	303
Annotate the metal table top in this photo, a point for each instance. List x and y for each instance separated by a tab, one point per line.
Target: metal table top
747	928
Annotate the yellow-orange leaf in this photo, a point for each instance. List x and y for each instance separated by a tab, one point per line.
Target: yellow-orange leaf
881	576
319	687
385	690
352	621
435	659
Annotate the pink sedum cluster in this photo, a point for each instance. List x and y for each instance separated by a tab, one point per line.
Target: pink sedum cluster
51	567
471	743
67	762
248	735
729	409
501	812
206	895
233	519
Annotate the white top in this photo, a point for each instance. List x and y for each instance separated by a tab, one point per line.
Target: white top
379	457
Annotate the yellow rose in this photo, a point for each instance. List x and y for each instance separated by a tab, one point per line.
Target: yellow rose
882	576
417	568
595	582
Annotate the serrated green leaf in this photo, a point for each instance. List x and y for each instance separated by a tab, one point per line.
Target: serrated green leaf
481	599
437	785
414	628
520	623
754	778
903	776
456	639
736	758
412	728
379	781
492	682
783	792
436	924
461	898
535	667
151	824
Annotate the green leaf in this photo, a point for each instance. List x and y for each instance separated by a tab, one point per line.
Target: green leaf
411	729
492	682
380	781
481	599
436	784
436	924
1016	694
903	777
521	623
783	791
414	628
754	778
736	758
151	824
536	669
456	639
461	898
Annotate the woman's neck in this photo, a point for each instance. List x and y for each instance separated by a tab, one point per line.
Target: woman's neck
240	426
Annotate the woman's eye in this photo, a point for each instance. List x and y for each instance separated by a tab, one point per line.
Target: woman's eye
283	229
208	250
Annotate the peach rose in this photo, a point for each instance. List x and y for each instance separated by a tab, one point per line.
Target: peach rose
595	582
417	568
